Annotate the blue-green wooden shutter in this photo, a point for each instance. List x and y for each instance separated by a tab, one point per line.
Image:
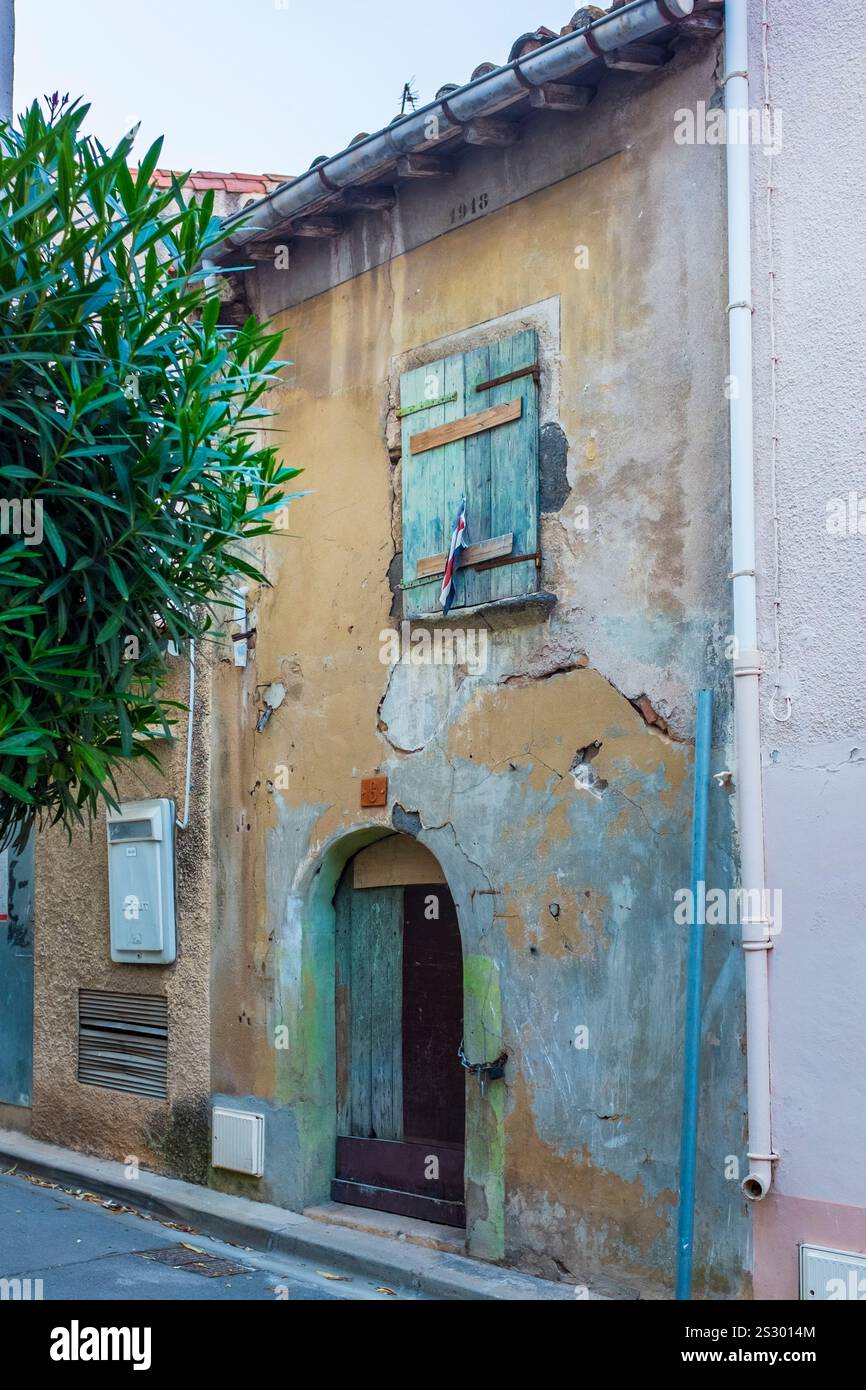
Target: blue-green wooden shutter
496	470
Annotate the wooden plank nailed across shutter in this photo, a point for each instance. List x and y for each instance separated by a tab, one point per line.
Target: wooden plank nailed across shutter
470	424
472	555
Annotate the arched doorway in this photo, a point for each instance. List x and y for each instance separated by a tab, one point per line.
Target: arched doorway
399	1022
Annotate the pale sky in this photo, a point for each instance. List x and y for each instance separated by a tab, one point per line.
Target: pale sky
257	85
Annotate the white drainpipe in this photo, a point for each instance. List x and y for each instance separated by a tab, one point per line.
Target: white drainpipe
756	939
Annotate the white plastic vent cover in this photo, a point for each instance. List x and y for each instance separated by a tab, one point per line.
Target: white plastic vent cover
833	1275
238	1141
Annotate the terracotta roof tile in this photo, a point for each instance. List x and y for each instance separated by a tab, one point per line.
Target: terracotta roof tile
200	180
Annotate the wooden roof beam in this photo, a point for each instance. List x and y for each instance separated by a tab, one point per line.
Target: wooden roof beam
558	96
698	25
487	130
636	57
369	199
318	227
423	166
257	251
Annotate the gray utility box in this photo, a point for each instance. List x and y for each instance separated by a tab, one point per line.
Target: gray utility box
141	882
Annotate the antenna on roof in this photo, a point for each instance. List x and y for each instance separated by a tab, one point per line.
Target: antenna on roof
409	97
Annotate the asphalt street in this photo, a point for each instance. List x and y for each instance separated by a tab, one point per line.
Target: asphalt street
82	1246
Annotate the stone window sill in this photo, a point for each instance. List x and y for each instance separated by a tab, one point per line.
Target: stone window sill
538	604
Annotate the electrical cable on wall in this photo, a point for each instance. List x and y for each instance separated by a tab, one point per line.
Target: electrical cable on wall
182	824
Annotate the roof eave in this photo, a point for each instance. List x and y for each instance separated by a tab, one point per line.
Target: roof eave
486	96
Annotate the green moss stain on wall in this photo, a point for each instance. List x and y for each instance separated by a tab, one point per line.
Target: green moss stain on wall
485	1123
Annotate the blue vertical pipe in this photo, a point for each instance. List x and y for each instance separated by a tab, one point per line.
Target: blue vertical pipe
694	990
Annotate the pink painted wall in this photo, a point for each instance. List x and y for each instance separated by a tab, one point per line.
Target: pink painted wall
782	1224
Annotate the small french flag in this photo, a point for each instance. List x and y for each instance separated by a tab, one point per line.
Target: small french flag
458	540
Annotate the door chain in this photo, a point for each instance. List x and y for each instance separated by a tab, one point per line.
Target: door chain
484	1071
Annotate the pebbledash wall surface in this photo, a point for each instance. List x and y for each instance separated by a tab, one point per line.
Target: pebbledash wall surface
551	780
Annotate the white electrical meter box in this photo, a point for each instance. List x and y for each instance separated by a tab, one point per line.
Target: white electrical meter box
141	882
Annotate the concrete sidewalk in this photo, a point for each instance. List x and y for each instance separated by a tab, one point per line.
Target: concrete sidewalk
414	1267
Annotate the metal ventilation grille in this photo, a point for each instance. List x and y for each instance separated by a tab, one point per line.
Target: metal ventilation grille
123	1042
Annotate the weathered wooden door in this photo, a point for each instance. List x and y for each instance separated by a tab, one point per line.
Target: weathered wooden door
400	1085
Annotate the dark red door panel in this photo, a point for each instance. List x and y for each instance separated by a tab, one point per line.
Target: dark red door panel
433	1079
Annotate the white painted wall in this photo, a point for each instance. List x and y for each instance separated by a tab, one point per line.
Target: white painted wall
815	764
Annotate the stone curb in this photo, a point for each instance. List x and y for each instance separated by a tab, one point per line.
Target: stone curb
266	1228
